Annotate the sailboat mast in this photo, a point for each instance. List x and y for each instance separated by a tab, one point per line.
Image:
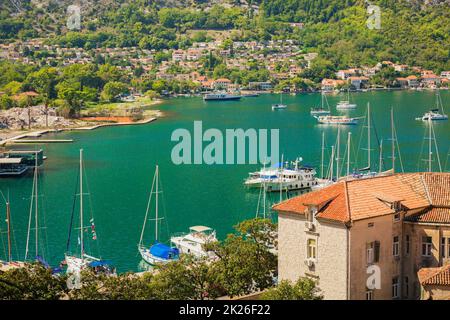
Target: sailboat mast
36	201
8	220
323	152
332	163
368	135
380	165
393	140
338	152
348	153
81	204
281	177
264	194
156	204
430	151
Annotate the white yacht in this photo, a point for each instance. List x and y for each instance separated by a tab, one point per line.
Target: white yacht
221	96
345	104
283	177
194	241
336	120
433	115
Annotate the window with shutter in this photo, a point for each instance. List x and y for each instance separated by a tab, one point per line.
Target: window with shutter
377	251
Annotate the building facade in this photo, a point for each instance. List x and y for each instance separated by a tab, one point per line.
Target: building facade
367	238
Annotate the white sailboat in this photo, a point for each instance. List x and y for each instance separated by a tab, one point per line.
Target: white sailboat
437	113
321	111
345	104
279	106
157	253
77	263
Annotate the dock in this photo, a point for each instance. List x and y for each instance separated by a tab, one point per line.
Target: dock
29	141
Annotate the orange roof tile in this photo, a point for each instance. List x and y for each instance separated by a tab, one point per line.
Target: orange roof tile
365	198
435	276
431	215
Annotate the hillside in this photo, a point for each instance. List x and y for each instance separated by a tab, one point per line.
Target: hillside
415	32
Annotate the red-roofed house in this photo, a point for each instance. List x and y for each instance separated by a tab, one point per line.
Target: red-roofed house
367	238
435	283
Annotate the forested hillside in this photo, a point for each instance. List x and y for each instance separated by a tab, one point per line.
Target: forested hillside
415	32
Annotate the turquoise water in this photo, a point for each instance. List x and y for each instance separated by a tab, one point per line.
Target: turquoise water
120	163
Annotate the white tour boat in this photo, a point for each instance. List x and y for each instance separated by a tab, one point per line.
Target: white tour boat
221	96
336	120
284	178
193	242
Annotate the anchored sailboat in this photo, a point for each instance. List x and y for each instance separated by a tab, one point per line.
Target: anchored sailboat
321	111
345	104
280	105
437	113
77	263
158	253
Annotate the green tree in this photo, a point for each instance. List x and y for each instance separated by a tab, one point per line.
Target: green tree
303	289
112	89
32	282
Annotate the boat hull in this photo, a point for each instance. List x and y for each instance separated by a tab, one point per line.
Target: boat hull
152	259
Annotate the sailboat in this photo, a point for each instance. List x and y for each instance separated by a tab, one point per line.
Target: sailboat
345	104
158	253
8	263
434	114
321	111
280	105
77	263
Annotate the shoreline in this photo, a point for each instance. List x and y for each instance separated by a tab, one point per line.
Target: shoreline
8	138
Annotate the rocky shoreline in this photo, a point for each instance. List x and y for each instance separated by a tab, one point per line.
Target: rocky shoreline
18	123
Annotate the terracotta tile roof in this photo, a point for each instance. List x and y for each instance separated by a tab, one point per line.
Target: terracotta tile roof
321	197
438	186
435	276
431	215
365	198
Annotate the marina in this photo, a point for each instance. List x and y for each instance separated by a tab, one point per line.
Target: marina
120	161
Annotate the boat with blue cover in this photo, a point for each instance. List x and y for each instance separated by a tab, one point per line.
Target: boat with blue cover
158	252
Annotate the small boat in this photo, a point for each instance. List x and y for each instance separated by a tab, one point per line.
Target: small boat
158	253
279	106
221	96
345	104
336	120
321	111
77	263
194	241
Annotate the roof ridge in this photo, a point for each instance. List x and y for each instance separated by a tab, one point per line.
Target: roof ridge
347	202
437	272
422	179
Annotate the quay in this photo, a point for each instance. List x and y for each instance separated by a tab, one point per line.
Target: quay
29	141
